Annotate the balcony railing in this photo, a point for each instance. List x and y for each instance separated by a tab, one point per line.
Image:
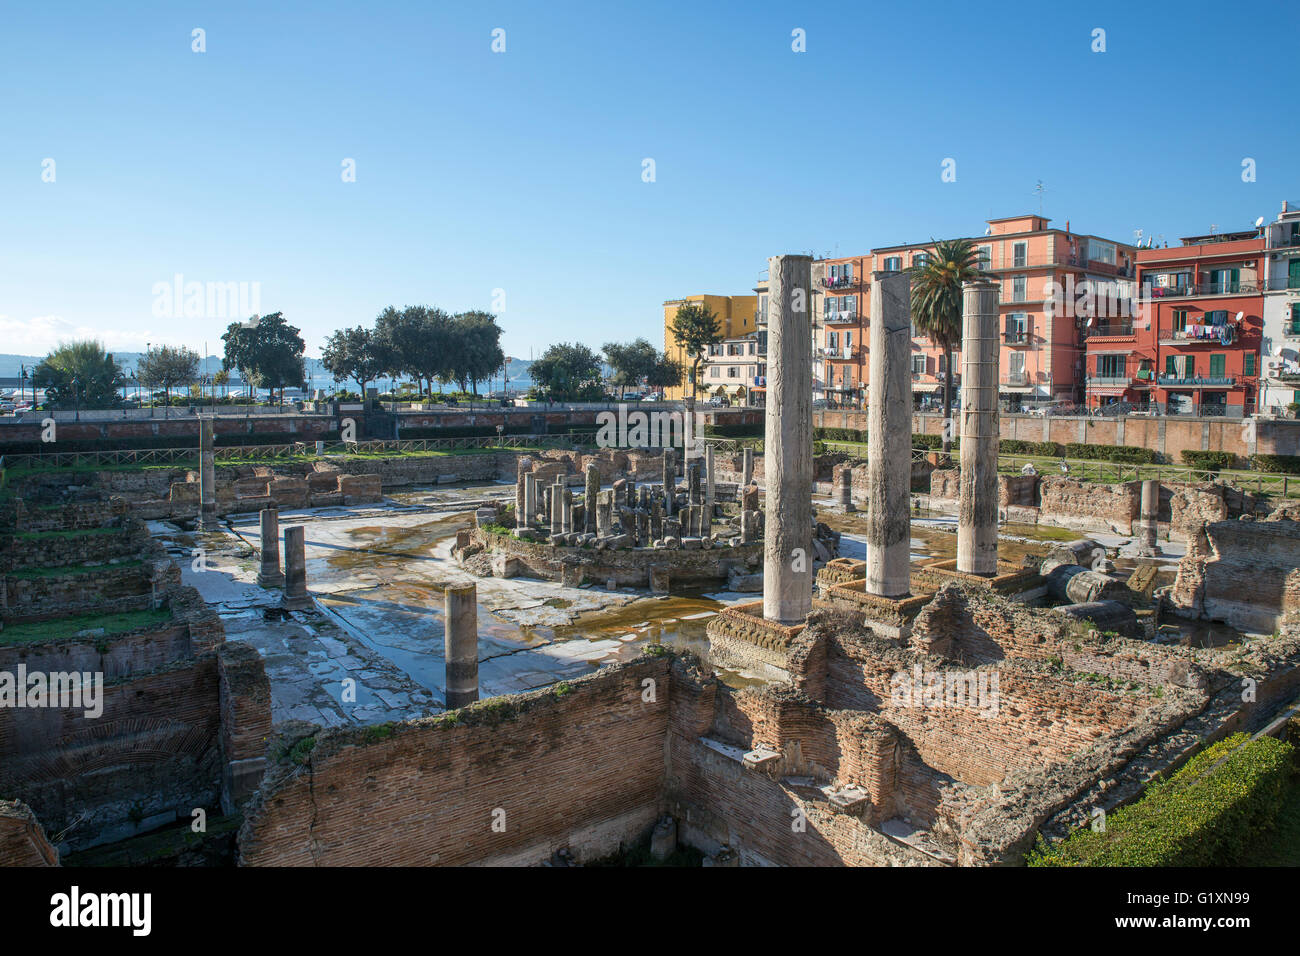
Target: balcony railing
1291	329
1109	380
1197	381
1168	337
842	352
1240	287
840	318
1016	337
1283	283
837	283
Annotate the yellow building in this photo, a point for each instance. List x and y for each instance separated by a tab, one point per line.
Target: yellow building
736	315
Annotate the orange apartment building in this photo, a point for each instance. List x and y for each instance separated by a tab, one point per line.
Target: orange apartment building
1195	347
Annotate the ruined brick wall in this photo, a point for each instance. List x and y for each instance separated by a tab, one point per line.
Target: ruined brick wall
152	756
245	697
582	769
945	483
1193	505
22	839
1243	572
1089	506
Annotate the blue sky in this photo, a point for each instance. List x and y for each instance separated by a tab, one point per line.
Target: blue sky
521	170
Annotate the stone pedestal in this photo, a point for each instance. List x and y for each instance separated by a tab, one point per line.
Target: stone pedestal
977	515
889	437
787	551
590	490
296	597
460	644
670	479
844	495
269	574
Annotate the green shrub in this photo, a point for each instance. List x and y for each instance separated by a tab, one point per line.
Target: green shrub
840	434
1277	464
1209	460
1018	446
1121	453
1193	818
734	431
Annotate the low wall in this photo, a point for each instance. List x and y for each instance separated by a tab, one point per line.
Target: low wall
1243	572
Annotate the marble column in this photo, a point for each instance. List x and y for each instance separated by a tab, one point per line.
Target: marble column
977	510
295	596
207	476
1150	518
787	447
590	491
269	574
889	437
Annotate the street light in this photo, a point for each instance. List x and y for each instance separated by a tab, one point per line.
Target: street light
76	395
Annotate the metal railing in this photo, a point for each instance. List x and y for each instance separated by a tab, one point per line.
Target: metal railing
1197	381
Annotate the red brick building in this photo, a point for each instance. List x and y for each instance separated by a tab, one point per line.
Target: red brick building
1194	346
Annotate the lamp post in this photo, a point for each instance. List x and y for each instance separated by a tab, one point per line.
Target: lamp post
22	385
76	395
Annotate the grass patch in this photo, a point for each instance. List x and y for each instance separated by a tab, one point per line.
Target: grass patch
38	632
71	569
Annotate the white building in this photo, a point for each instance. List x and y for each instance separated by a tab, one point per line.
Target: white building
1280	378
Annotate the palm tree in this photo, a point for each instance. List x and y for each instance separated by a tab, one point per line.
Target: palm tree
936	306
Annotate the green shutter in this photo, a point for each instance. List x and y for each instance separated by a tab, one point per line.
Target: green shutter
1216	365
1248	367
1169	365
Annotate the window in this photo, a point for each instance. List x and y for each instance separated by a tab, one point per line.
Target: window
1217	363
893	263
1020	254
1248	364
1017	327
985	258
1099	251
1225	280
1293	327
1180	366
918	364
1016	365
1110	366
733	371
1018	286
1180	320
921	260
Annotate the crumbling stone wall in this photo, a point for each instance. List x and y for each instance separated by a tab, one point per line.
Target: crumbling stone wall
22	839
580	765
1089	505
1243	572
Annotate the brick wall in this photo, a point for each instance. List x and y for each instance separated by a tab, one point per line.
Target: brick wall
22	840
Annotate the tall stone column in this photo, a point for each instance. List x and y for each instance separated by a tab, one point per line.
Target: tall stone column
523	471
889	437
295	597
746	467
207	476
604	513
977	515
566	514
460	644
589	499
1149	518
787	549
557	508
670	480
269	574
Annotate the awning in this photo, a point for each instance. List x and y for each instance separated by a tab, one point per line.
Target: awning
1107	389
735	389
927	389
1016	389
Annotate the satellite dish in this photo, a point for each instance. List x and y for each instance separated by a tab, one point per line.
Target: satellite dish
988	231
1277	351
1240	316
1259	222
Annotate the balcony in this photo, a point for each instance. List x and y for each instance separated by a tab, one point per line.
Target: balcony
1109	329
1015	379
1017	337
1168	337
1291	329
1199	381
1240	287
1109	380
1283	283
840	318
840	283
841	353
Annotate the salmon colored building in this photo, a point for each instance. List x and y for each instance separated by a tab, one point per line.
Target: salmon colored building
840	329
1194	347
1041	356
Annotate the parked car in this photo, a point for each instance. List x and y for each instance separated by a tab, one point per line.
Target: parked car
1058	407
652	397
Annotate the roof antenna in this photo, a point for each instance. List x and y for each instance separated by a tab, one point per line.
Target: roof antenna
1040	189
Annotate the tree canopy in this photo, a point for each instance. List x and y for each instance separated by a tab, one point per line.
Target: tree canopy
569	372
695	327
639	362
167	367
79	373
355	355
267	351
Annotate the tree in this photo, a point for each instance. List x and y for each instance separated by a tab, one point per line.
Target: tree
568	372
167	367
695	328
416	341
267	351
936	306
631	362
79	373
476	352
665	373
222	378
354	355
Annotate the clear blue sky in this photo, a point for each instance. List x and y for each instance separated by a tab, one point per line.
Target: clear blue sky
522	170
